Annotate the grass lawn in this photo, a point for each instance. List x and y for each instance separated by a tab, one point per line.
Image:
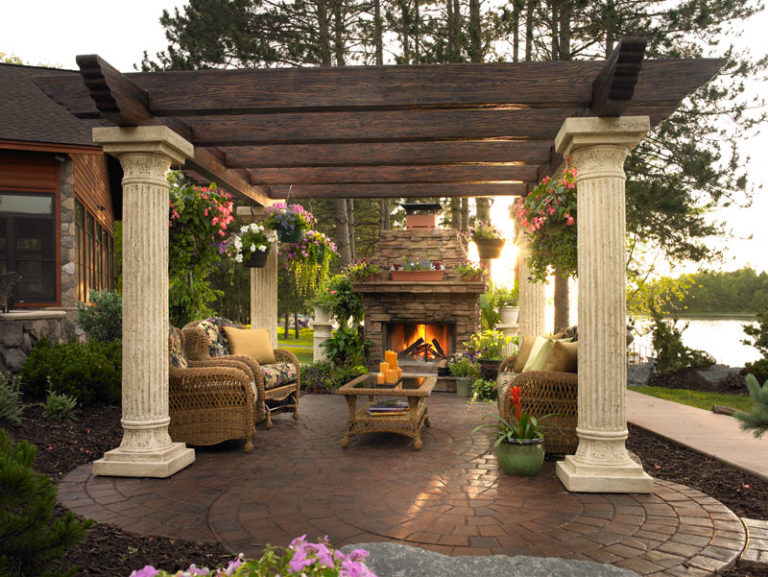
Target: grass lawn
301	347
697	399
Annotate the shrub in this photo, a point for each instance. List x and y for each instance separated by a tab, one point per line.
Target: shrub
484	390
59	406
31	540
102	320
757	420
90	372
349	304
10	398
346	347
323	376
462	366
759	341
671	354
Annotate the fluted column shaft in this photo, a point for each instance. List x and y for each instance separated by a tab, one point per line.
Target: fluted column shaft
533	298
146	450
598	148
264	296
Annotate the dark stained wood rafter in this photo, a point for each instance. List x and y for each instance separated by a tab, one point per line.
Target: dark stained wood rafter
614	87
388	153
412	190
392	131
392	174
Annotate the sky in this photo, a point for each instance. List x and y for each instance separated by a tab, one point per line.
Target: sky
52	33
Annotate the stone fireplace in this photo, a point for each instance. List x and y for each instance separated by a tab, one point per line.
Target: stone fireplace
423	321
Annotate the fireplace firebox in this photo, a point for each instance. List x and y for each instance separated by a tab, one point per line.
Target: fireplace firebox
421	341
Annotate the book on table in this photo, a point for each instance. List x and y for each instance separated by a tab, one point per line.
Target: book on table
388	407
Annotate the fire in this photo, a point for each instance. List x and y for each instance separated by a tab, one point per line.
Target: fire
421	341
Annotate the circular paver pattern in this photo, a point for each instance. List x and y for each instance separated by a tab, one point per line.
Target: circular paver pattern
449	497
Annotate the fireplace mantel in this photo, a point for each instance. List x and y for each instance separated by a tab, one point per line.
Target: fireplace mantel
444	286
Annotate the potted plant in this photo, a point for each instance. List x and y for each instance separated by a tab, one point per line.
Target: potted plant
486	346
520	441
489	241
471	271
464	371
507	303
323	303
417	270
289	221
309	260
250	245
362	271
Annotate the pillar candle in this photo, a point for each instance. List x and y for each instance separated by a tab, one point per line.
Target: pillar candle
399	372
391	376
380	378
383	367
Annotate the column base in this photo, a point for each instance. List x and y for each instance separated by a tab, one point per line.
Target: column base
161	464
580	477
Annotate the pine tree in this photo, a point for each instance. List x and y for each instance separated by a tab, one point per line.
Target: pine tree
31	539
757	420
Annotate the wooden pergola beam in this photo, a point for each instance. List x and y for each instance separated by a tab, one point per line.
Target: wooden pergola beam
389	153
414	190
376	126
614	87
391	174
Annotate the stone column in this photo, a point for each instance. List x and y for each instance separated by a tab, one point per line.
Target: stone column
264	296
598	147
145	154
533	297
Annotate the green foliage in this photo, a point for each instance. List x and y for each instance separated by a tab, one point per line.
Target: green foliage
487	344
484	390
698	399
10	398
671	354
346	347
349	305
757	420
491	301
324	376
102	320
200	220
59	406
89	372
462	367
31	539
759	340
309	261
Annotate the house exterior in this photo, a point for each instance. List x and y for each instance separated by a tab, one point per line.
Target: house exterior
57	212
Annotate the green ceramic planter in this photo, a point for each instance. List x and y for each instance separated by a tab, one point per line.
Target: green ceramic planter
521	459
463	387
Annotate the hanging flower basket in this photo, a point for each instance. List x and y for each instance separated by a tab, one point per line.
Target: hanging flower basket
290	236
489	248
289	221
256	259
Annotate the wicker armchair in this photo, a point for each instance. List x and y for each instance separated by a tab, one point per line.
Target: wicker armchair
544	393
209	401
277	385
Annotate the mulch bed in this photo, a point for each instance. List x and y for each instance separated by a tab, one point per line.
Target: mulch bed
112	552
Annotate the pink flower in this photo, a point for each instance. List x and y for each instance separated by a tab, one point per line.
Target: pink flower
568	219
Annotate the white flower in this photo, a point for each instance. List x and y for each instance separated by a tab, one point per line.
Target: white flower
239	257
262	248
244	228
253	247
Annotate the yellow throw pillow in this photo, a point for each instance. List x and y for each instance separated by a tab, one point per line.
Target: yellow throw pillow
542	347
526	344
564	357
252	342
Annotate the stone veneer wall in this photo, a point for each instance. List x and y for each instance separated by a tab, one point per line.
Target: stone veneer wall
20	330
67	235
452	301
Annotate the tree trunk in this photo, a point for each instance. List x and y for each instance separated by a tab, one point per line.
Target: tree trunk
554	20
475	40
405	31
351	225
517	7
562	305
342	231
296	325
465	215
456	213
565	30
610	33
338	32
529	20
385	222
286	326
483	209
324	33
378	34
416	32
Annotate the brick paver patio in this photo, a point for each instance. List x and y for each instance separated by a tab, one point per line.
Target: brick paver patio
449	497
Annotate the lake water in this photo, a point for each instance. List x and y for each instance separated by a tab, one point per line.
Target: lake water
721	338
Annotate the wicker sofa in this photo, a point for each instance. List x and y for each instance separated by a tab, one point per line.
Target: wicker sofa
209	401
277	384
544	393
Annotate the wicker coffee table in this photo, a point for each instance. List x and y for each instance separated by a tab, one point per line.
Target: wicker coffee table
412	389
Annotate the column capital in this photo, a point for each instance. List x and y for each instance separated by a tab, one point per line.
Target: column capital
116	140
625	131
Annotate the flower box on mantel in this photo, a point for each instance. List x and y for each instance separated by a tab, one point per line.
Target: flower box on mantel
416	275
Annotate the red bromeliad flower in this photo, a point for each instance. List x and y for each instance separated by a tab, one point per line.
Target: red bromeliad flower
517	394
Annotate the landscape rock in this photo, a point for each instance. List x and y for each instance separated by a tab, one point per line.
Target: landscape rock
639	375
395	560
718	373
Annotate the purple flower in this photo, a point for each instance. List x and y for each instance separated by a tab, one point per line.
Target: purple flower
146	571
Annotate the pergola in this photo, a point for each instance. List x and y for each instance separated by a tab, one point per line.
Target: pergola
456	130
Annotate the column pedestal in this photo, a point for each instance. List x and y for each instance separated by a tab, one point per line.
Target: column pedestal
145	153
598	147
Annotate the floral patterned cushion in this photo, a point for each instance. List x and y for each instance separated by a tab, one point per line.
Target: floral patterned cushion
278	374
177	352
213	328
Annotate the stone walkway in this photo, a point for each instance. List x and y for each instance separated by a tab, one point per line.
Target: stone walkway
449	497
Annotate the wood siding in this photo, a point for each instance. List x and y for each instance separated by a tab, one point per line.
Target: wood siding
92	187
25	171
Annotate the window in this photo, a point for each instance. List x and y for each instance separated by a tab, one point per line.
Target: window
28	244
94	254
